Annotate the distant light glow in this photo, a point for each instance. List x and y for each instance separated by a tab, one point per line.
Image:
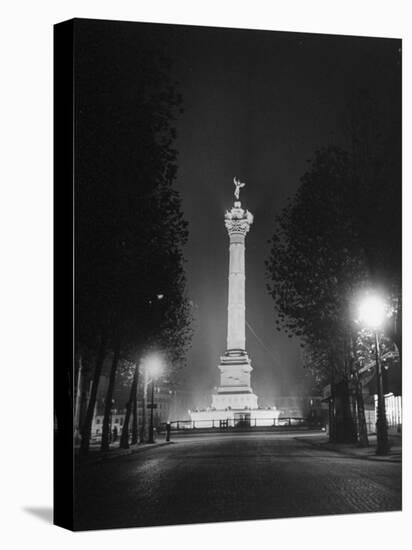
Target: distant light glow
154	365
372	311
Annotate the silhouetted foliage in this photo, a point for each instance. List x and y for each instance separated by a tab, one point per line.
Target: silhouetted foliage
316	260
129	225
339	234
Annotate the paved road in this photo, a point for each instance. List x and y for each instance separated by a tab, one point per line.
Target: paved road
232	477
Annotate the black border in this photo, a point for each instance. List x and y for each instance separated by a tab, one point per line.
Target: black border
63	273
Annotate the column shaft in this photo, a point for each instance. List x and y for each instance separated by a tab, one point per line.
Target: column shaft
236	301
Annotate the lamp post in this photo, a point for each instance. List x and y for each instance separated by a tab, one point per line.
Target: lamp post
154	367
372	313
151	439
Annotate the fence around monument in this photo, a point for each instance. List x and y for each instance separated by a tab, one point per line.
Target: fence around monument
233	424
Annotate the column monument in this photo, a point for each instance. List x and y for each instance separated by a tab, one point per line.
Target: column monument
234	400
235	366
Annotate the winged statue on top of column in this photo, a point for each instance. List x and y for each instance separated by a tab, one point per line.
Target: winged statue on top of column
238	185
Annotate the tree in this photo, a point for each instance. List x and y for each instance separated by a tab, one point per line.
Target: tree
130	408
106	435
316	264
130	229
86	428
374	142
323	253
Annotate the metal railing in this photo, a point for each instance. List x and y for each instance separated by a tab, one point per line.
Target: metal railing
236	424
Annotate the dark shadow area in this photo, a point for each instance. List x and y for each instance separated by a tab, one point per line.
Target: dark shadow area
44	513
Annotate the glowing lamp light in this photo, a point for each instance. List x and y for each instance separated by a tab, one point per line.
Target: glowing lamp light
154	366
372	311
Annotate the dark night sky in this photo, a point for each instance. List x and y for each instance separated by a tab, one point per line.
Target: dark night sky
257	105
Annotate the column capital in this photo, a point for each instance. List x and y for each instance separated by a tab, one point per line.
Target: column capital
238	220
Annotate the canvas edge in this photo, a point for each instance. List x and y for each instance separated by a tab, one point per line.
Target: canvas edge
63	292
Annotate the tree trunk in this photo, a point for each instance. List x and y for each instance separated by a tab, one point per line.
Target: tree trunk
144	402
84	399
397	337
362	429
109	399
78	401
332	419
345	426
135	419
87	426
332	405
124	439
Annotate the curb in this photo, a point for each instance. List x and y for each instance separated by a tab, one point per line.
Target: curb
352	455
120	453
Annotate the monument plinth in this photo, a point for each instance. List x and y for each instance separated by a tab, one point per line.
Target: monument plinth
235	401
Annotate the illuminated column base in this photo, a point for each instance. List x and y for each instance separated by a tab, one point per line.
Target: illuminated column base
232	418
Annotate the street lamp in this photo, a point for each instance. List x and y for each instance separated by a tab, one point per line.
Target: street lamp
372	313
154	368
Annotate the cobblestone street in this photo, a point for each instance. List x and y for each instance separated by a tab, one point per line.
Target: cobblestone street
232	477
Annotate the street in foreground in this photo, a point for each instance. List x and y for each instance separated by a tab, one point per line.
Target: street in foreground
229	477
